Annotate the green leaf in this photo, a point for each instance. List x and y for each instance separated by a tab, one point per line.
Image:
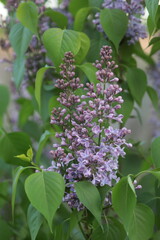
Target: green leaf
103	192
20	38
126	106
137	83
58	41
17	174
45	136
152	6
114	23
95	3
23	157
27	14
142	223
84	191
45	191
30	153
35	220
44	110
28	157
81	17
156	236
154	172
97	41
85	45
26	111
150	25
155	151
137	49
38	84
5	230
76	5
112	229
123	194
60	19
90	72
3	1
18	70
153	96
17	143
154	40
155	47
5	97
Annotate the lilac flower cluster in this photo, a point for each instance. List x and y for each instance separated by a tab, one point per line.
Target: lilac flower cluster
90	144
132	8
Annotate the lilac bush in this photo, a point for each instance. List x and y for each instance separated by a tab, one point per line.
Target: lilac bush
90	143
133	9
92	184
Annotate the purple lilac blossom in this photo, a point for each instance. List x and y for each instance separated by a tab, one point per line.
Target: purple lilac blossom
135	29
90	144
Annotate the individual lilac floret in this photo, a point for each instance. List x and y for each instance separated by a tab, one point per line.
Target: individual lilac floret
89	144
133	8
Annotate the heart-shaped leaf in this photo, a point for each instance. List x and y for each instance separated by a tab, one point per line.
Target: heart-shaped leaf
45	191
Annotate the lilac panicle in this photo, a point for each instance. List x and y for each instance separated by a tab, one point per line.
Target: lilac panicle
89	144
135	29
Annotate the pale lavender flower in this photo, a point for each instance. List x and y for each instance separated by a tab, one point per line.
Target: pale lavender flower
89	145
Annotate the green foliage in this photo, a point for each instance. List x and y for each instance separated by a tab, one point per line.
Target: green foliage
153	96
35	220
45	136
28	157
18	70
95	3
152	6
84	192
90	72
17	143
142	223
5	230
20	38
81	17
155	150
112	229
97	41
60	19
155	42
38	84
45	191
27	14
137	83
17	174
63	41
114	23
127	106
5	98
75	5
84	47
123	194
